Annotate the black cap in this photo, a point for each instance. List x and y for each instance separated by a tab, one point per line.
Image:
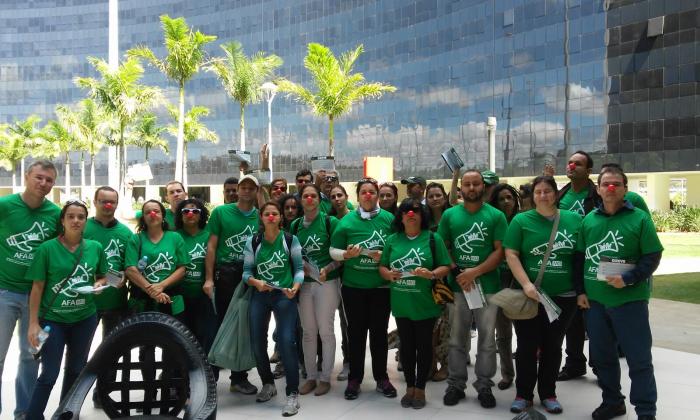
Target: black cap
414	180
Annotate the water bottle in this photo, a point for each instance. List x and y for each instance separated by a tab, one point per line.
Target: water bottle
143	263
41	337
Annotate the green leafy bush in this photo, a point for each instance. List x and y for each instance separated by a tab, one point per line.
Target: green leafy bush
680	219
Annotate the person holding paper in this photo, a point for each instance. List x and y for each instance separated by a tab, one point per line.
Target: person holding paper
60	266
273	265
620	240
113	235
358	240
320	293
540	339
412	259
473	233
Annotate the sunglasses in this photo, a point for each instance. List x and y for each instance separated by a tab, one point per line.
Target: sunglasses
278	188
416	210
74	201
193	211
331	178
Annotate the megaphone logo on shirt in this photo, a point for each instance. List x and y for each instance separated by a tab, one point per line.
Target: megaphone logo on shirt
313	243
28	240
611	242
164	262
80	277
563	240
577	207
114	250
265	268
476	235
197	253
374	242
412	260
237	242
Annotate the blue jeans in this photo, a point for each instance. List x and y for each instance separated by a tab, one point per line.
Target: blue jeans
628	326
15	307
76	338
286	318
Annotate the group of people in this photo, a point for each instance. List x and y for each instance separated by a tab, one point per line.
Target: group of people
587	250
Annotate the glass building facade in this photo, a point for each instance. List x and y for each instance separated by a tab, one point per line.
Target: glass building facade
559	76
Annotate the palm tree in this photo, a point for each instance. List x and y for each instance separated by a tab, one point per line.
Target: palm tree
337	87
27	132
185	56
194	130
242	77
13	149
59	139
147	134
120	95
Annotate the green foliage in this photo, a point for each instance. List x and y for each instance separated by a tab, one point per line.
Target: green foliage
680	219
194	128
147	134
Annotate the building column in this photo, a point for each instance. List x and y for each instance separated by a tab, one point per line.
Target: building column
658	197
692	195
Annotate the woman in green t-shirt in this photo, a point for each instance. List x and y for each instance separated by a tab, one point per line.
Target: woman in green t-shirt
291	209
64	273
190	222
358	240
155	261
539	340
320	293
339	202
388	197
273	265
412	259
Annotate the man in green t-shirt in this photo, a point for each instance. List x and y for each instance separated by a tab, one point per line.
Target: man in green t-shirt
230	226
617	252
473	233
28	219
579	196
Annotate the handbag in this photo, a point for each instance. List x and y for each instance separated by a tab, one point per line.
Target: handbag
232	347
514	302
442	293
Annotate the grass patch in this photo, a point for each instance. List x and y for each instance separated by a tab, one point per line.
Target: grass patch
680	245
678	287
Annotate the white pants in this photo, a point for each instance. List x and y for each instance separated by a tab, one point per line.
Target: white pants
317	306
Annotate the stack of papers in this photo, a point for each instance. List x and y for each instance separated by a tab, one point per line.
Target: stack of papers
475	297
612	267
552	309
452	159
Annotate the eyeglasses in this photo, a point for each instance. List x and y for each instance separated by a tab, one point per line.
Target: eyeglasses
387	184
278	188
331	178
188	211
74	201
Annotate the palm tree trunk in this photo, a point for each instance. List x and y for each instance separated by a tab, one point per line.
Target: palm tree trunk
92	175
242	127
184	164
122	163
14	179
179	153
331	137
148	181
82	175
67	175
21	174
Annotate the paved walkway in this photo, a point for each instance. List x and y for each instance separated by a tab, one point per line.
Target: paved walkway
675	325
678	265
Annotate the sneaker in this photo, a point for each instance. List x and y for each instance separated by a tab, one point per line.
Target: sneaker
567	374
322	388
308	386
275	358
279	371
486	398
453	395
418	399
519	405
352	390
292	405
385	387
266	393
607	412
504	384
343	375
407	399
552	406
244	387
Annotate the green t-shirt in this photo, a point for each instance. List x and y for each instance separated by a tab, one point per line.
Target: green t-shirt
196	247
325	205
471	237
113	240
52	264
362	271
412	297
164	257
316	241
233	229
626	235
637	201
573	201
528	234
169	217
272	262
22	230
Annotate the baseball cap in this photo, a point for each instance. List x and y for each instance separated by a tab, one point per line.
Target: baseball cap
490	177
414	180
250	178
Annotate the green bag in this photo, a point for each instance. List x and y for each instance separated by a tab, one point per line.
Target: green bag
232	348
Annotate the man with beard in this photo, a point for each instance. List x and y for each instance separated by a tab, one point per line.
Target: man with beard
473	233
231	190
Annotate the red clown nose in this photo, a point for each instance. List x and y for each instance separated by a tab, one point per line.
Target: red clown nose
189	215
612	188
368	194
410	213
108	206
571	166
309	200
270	218
152	214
